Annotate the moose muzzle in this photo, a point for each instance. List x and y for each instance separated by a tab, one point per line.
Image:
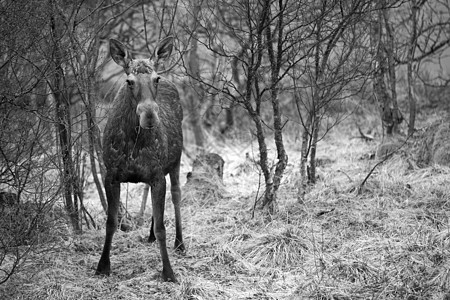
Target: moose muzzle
147	112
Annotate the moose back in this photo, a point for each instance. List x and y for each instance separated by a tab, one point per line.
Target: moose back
143	143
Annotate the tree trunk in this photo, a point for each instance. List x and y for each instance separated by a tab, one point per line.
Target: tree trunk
281	152
312	155
195	119
63	120
255	114
195	96
396	114
411	51
263	163
379	85
229	121
275	57
64	127
305	148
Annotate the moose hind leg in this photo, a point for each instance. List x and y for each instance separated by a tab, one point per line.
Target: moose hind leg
176	200
158	203
113	197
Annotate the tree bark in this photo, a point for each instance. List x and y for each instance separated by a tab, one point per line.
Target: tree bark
389	49
305	149
275	57
379	85
281	152
312	155
411	51
63	125
196	94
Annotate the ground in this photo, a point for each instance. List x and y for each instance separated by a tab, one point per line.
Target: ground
386	240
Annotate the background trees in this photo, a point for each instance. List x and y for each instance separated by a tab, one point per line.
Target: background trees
256	45
332	69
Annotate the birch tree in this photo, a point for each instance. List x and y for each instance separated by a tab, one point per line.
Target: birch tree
252	53
336	70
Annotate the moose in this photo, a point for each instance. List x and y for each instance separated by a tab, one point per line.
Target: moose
142	142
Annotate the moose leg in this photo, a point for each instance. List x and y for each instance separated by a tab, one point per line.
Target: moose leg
158	203
151	237
176	199
113	197
143	205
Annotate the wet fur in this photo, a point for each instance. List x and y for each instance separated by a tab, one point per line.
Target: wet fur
134	154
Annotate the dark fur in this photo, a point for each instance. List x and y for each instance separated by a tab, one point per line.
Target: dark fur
135	154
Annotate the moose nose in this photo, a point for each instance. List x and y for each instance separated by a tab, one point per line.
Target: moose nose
148	114
130	82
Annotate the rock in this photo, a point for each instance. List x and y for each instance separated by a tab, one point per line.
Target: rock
441	145
209	163
389	146
204	183
433	145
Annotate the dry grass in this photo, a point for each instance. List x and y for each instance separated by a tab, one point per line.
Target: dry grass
391	241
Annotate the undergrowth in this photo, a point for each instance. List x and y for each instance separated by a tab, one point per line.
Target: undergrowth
390	241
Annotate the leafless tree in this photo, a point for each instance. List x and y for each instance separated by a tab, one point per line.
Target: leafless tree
334	70
29	171
254	55
423	35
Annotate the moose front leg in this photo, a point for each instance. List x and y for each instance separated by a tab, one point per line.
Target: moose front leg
158	203
113	197
175	191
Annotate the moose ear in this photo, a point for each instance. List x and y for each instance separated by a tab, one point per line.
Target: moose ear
164	48
119	53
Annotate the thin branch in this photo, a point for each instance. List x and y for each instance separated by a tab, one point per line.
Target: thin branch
385	158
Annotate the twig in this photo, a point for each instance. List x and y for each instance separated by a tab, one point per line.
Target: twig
372	170
349	178
386	157
256	197
365	136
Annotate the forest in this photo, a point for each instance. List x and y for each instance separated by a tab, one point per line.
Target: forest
315	160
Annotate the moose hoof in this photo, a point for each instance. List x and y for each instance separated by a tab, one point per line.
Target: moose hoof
168	276
99	272
179	247
151	239
103	269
